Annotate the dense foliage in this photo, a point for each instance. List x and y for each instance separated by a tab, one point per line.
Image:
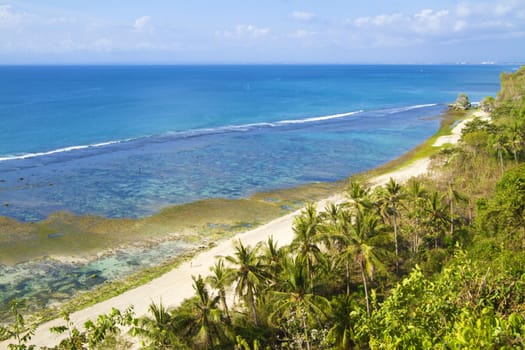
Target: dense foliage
435	263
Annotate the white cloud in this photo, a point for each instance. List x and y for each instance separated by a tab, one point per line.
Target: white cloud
460	25
431	21
244	31
463	10
379	21
102	44
301	34
141	23
303	16
8	16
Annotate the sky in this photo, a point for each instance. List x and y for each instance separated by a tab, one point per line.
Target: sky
261	31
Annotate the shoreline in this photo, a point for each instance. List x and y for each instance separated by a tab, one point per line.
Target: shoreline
162	288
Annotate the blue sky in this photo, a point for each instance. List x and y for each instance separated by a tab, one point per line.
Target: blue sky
261	31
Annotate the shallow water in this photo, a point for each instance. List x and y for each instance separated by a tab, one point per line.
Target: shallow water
128	141
46	282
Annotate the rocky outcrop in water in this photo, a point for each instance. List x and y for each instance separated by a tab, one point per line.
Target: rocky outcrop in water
462	103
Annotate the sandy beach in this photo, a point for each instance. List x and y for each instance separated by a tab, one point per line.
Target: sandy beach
175	286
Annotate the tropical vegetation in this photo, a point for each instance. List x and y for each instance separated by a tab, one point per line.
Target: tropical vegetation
438	262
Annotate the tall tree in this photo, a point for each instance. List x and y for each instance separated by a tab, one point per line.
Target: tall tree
359	196
436	217
515	140
343	317
159	330
391	197
416	195
307	238
206	315
294	299
454	197
249	274
220	279
272	258
365	234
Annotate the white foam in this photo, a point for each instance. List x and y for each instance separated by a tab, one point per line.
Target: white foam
207	131
55	151
317	119
409	108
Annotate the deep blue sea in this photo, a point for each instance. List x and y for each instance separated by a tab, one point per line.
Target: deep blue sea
125	141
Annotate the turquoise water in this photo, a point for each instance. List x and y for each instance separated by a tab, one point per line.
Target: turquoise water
127	141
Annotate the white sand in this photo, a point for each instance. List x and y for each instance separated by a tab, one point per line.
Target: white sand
456	132
175	286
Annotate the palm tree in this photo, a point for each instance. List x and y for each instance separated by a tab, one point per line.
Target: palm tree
359	196
391	198
249	274
515	140
328	219
416	195
160	330
499	141
364	235
295	299
272	258
436	216
206	314
343	318
454	197
306	238
221	278
339	231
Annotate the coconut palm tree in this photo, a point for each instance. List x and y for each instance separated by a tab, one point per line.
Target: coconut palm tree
221	278
453	197
416	195
359	196
272	259
249	274
344	313
499	142
294	299
339	231
515	140
307	237
206	315
391	197
436	216
365	234
159	330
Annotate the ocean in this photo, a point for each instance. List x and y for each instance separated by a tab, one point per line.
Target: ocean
127	141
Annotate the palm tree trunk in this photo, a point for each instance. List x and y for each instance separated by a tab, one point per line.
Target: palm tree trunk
366	289
254	310
501	160
225	306
395	238
347	277
306	337
310	275
209	338
452	215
